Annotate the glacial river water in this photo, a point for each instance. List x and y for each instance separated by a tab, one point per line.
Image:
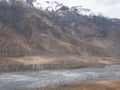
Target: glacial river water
13	81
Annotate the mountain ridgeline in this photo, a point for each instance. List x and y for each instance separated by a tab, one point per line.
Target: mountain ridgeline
28	31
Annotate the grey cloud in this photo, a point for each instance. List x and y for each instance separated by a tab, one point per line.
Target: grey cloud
108	2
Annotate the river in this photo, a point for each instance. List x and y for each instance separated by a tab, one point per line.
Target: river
55	78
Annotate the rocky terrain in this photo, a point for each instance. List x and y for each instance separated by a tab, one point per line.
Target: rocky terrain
59	78
104	85
60	38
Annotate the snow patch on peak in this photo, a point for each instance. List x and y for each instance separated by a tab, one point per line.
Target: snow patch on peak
47	5
81	10
56	6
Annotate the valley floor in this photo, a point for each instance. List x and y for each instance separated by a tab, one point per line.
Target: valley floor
37	63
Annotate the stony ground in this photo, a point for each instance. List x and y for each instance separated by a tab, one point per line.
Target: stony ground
104	85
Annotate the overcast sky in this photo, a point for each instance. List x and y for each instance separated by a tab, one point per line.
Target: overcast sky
109	8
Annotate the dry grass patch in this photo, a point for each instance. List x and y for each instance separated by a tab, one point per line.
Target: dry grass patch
66	61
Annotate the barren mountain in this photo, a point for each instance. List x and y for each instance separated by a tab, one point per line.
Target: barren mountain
28	31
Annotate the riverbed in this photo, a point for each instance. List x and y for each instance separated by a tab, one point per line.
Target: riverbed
56	78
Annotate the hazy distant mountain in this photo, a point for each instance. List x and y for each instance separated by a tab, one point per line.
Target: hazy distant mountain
56	29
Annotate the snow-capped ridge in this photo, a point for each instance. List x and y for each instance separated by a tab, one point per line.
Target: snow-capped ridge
48	5
56	6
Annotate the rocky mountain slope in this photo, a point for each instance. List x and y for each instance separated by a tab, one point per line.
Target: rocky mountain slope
28	31
90	29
